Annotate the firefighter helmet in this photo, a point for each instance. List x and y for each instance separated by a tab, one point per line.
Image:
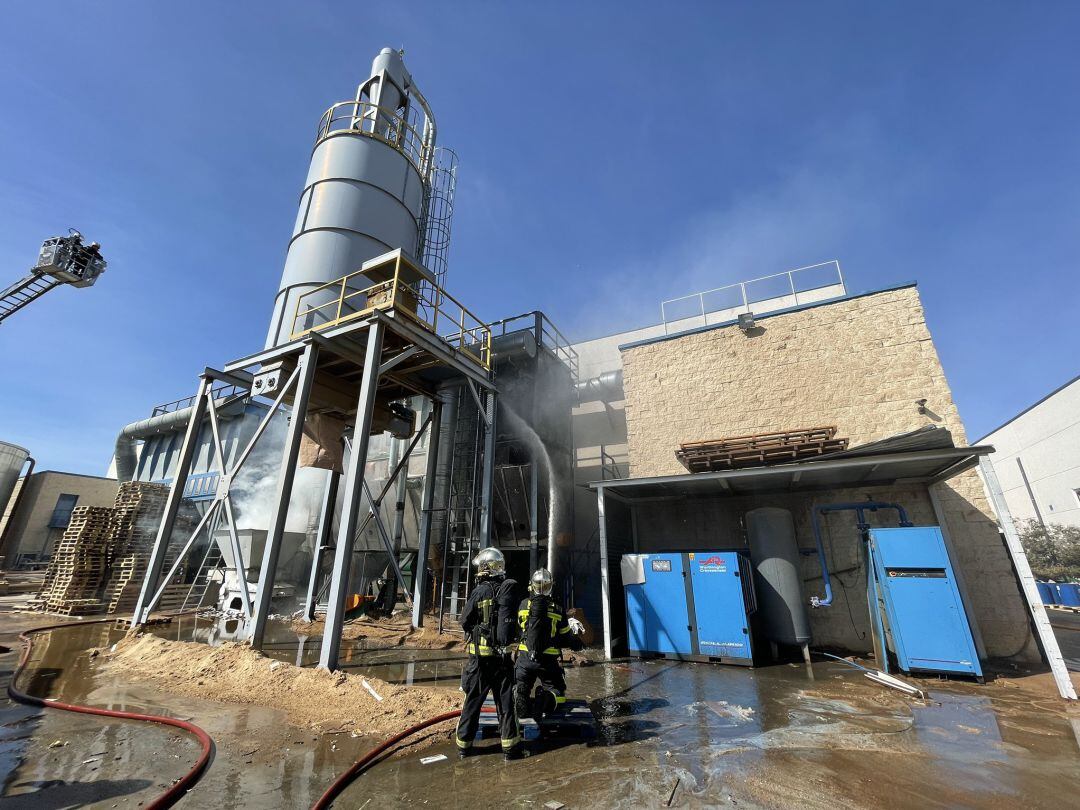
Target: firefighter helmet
541	582
489	563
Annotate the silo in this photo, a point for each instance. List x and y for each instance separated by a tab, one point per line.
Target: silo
12	459
775	555
365	192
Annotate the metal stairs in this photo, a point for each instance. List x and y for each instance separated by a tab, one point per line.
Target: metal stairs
461	524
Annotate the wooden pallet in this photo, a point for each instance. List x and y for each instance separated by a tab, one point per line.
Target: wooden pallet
759	449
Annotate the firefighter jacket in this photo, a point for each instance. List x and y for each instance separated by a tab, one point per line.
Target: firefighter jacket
488	618
544	629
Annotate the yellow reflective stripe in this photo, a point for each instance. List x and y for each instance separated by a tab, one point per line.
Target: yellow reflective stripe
511	742
462	743
559	699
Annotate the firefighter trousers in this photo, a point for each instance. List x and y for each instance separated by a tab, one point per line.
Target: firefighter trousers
547	670
483	674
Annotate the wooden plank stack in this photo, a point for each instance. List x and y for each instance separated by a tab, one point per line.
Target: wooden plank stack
137	513
80	564
759	449
101	561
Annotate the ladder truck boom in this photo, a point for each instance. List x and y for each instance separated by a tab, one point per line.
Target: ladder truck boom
62	260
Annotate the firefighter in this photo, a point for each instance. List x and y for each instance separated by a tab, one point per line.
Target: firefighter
490	630
544	632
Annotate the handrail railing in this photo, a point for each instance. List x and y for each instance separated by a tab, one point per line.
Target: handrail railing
745	299
545	332
381	123
222	391
343	300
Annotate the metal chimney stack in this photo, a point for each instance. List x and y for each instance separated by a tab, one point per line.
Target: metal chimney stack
366	189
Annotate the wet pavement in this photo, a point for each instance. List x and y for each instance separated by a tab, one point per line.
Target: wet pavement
698	735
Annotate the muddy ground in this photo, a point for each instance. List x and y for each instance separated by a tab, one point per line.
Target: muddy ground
701	735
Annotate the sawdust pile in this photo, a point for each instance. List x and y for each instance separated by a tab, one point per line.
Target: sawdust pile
234	673
396	631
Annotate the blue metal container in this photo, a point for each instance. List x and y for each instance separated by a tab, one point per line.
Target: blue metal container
926	619
692	605
1068	594
1047	592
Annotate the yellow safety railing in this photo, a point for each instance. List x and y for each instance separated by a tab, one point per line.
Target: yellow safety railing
354	296
383	124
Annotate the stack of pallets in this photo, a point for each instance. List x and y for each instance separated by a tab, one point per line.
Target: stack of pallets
100	564
80	565
136	516
759	449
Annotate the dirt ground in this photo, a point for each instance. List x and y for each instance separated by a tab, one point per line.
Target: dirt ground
311	698
387	632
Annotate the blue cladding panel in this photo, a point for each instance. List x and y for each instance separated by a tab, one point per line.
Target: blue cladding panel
722	626
929	628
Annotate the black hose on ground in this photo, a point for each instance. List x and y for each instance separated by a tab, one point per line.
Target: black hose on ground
371	756
174	793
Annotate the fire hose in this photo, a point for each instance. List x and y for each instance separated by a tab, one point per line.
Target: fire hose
177	790
370	758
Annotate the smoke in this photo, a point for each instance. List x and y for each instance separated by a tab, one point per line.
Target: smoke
522	429
254	490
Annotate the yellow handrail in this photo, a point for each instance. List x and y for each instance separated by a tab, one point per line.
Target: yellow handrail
423	303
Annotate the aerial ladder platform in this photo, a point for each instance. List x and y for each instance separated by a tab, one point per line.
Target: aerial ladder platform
62	260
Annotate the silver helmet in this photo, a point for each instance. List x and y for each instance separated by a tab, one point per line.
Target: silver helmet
489	563
541	582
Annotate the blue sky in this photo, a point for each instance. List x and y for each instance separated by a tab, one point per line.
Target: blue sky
612	155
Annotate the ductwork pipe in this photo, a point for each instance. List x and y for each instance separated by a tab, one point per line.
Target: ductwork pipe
126	459
607	387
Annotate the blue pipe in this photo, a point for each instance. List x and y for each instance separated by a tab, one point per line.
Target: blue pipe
859	507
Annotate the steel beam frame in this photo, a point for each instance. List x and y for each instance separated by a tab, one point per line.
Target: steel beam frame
172	504
264	593
423	548
323	540
487	476
354	488
605	585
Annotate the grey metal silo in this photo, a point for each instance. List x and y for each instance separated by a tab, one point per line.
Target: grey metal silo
366	189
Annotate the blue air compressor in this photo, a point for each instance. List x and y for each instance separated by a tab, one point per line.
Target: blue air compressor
924	618
693	606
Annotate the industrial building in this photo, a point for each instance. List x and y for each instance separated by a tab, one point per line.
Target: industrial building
1037	458
39	509
775	471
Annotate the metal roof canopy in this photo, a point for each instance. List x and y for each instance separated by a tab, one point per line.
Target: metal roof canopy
835	471
925	456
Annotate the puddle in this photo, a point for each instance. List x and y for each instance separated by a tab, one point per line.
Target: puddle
726	735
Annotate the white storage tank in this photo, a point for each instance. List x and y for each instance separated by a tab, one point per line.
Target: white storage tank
774	552
12	459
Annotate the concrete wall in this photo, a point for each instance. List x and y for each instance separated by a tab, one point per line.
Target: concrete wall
29	525
1043	442
861	364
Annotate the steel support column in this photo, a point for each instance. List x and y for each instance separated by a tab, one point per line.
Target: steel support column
323	538
280	512
400	493
1029	589
487	477
172	503
605	593
350	508
420	569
